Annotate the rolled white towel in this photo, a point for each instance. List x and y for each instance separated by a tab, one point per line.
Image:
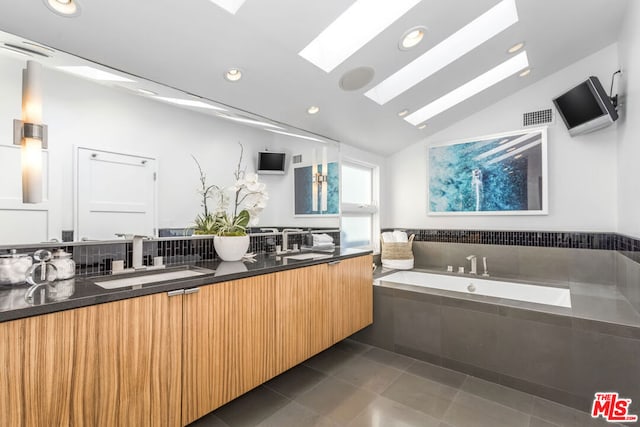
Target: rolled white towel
322	239
400	236
388	237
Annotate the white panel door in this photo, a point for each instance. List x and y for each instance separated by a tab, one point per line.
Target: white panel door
116	193
22	222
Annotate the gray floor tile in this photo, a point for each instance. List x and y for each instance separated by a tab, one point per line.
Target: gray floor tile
468	410
437	373
367	374
251	408
564	416
385	412
352	346
388	358
506	396
421	394
329	361
296	415
336	399
296	381
209	420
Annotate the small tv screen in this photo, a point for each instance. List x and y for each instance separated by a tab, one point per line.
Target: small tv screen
271	163
586	107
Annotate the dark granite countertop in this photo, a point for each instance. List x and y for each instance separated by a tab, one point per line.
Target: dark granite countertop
597	306
82	291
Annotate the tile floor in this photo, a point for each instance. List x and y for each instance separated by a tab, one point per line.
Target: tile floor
357	385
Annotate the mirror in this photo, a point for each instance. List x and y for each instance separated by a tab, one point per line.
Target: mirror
121	151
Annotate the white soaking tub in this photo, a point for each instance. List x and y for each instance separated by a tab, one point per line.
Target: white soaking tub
549	295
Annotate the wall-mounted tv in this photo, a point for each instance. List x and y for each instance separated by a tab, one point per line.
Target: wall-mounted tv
586	107
271	163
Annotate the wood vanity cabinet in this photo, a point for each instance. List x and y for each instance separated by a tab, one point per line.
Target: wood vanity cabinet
351	295
163	360
113	364
229	342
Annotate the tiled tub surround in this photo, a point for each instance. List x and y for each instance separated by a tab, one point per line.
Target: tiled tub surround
95	258
563	354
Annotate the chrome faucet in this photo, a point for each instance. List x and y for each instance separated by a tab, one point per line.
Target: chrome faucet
136	255
474	264
285	237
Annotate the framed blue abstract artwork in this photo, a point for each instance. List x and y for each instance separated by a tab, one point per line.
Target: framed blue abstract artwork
503	174
303	191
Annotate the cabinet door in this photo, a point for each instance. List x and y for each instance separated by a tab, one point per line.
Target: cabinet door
228	343
111	364
351	295
303	314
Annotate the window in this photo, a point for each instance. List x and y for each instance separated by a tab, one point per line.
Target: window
359	192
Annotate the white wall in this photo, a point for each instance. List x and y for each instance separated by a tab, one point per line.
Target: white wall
629	125
582	170
80	112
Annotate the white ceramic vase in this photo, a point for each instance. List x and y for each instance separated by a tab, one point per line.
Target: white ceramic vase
231	248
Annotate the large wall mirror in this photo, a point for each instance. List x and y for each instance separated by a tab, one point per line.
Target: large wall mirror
120	156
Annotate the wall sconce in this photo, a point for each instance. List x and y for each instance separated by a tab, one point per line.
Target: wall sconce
319	181
31	134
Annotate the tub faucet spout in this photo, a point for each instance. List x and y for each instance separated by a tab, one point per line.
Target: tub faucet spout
474	264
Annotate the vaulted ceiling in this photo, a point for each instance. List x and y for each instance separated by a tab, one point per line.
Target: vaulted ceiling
189	45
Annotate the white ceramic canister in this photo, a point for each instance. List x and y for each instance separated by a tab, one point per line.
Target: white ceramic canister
66	267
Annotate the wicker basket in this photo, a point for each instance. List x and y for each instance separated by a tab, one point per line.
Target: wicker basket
394	250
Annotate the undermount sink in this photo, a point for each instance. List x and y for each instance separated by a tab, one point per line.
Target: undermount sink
310	255
145	279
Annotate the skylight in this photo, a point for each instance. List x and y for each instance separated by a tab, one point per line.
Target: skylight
358	25
469	89
189	103
230	6
472	35
94	74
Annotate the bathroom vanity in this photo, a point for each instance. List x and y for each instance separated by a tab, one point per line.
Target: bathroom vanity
166	354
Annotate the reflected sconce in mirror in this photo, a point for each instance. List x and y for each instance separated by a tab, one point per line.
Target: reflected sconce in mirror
319	181
30	133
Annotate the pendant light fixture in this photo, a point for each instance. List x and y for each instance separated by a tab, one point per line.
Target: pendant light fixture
30	133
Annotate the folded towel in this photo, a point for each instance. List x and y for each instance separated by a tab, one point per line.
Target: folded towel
388	237
400	236
322	239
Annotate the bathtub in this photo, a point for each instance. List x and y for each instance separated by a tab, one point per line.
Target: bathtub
492	288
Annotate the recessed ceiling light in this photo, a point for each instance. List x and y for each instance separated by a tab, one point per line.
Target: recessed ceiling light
94	74
412	37
146	92
525	72
472	35
313	109
230	6
517	156
295	135
233	74
469	89
67	8
403	113
248	121
358	25
189	103
422	126
516	47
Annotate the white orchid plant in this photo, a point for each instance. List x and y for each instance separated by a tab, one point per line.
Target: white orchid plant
249	199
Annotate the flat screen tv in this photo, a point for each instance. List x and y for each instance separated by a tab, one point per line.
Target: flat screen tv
271	163
586	107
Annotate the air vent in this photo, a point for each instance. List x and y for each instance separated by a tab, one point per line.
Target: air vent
297	158
535	118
